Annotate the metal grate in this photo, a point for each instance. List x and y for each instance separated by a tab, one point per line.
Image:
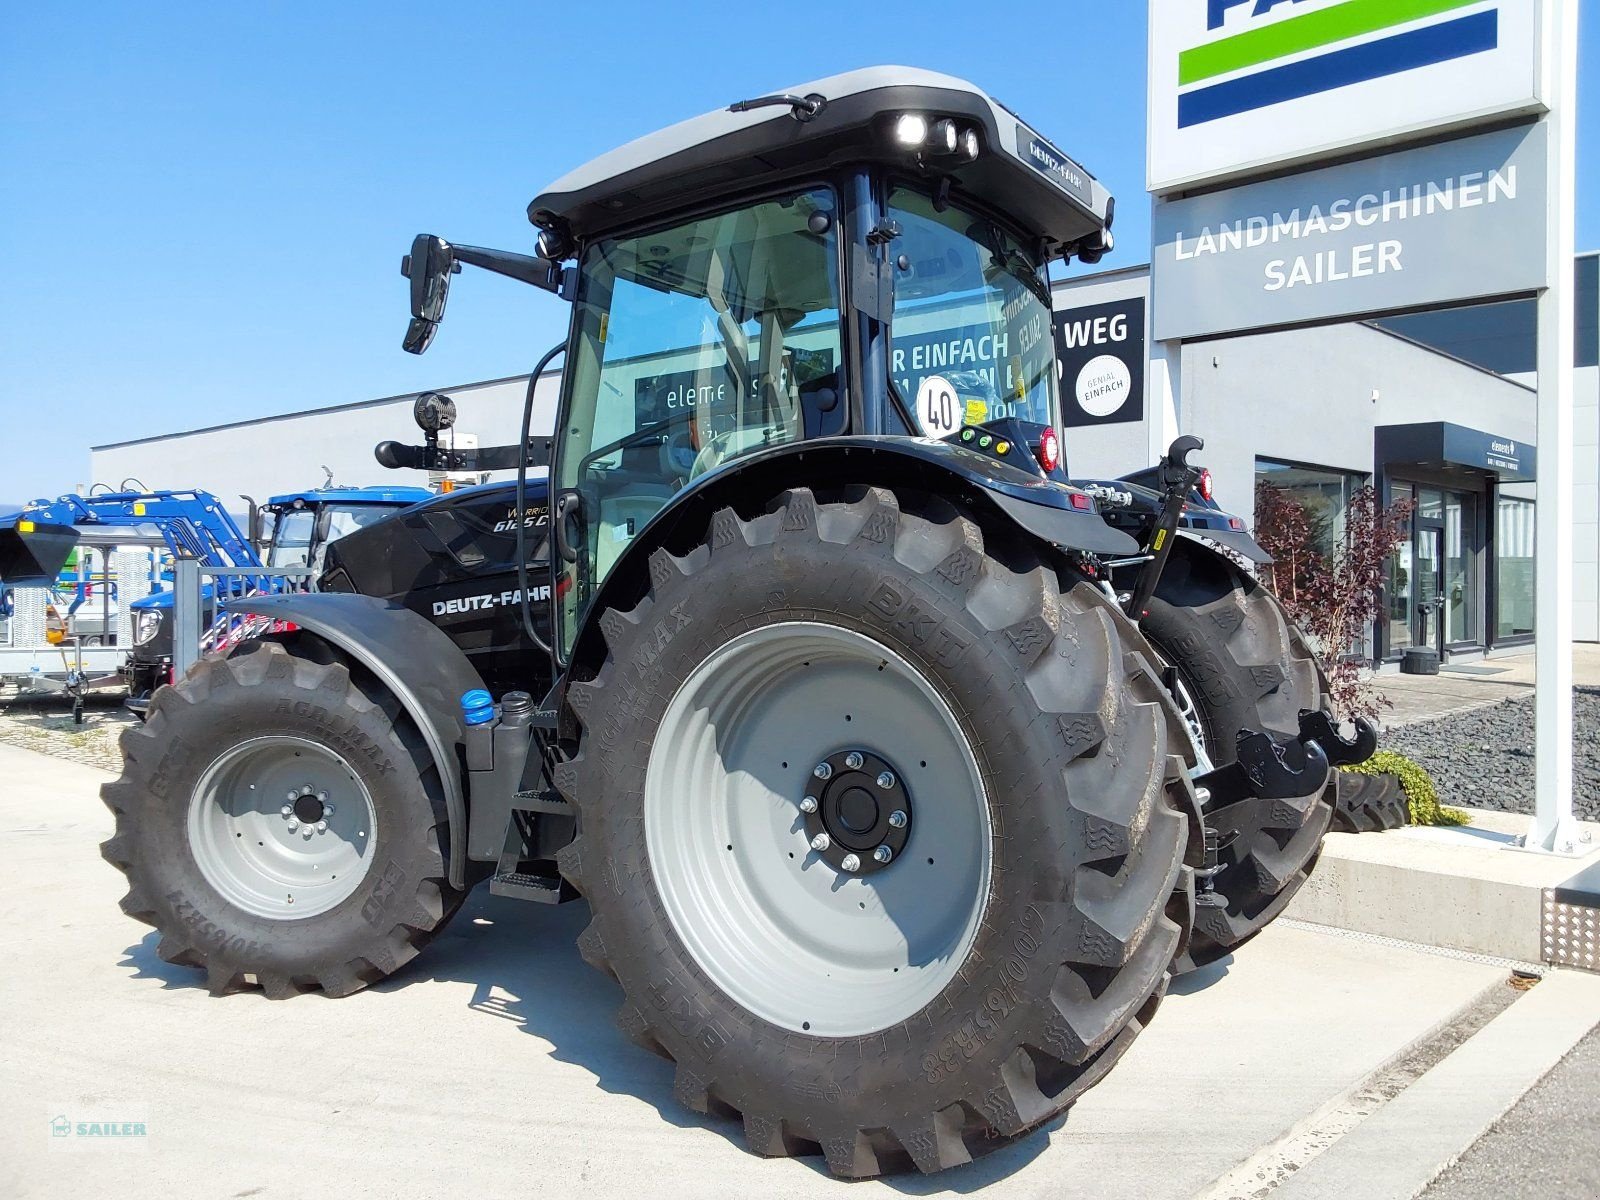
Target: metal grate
1571	929
1380	939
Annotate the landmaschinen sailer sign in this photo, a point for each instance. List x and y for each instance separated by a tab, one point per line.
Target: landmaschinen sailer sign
1455	220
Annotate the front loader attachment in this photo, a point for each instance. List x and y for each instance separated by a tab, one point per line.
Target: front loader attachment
32	554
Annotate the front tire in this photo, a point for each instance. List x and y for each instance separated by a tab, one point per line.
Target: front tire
281	826
1246	668
1020	934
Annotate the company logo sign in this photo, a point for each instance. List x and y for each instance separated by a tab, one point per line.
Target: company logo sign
1349	43
1237	85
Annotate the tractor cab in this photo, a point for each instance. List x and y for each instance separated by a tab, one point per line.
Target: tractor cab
861	256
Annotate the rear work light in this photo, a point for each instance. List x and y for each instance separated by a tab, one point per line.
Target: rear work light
1204	486
1049	452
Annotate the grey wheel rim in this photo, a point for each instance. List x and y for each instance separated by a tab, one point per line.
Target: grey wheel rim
251	837
1189	709
785	933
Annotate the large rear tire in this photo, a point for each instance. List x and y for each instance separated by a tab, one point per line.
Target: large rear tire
1244	666
281	826
826	680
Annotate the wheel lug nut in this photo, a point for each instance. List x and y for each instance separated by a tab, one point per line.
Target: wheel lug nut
293	796
327	810
294	826
897	819
883	854
286	810
322	827
822	771
851	863
853	760
886	780
809	804
821	842
322	797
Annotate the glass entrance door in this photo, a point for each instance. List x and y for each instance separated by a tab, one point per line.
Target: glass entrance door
1428	586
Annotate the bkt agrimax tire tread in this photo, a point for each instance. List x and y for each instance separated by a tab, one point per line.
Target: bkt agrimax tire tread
1247	667
1090	893
264	691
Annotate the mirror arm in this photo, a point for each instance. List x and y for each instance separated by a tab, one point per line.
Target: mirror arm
526	268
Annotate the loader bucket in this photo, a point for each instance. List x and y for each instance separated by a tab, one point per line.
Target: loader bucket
32	554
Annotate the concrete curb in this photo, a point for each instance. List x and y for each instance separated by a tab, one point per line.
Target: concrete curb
1400	1149
1462	889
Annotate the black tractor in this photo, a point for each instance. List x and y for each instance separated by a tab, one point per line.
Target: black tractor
900	775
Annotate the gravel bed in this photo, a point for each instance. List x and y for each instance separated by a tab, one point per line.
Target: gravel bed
47	727
1484	758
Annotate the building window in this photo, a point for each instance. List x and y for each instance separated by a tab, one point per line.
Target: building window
1513	566
1323	494
1501	337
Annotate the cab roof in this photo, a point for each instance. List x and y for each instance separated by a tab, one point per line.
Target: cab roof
376	494
696	162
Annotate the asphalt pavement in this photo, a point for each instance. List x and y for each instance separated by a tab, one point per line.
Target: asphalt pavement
1547	1146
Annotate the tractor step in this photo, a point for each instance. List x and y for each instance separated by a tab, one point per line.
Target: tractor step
523	885
541	823
542	800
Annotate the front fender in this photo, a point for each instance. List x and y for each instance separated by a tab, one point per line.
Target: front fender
1041	508
419	664
1238	541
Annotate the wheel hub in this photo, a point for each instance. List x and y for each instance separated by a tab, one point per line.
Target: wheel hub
857	811
308	809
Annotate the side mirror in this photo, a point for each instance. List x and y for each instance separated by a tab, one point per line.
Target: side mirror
429	267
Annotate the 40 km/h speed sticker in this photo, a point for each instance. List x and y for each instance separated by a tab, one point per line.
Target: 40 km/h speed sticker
939	410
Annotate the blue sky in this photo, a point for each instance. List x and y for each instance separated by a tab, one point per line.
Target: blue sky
203	206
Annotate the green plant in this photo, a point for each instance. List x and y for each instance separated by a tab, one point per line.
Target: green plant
1421	796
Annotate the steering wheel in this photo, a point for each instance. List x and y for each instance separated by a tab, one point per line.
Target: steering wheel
638	437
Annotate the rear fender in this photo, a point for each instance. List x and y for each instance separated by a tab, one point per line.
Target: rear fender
418	663
1038	507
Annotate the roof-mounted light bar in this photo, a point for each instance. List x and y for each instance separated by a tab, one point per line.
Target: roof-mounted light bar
936	137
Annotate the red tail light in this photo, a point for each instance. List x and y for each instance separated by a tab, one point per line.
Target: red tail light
1049	452
1204	486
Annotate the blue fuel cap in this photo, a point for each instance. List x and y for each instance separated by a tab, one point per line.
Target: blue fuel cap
477	707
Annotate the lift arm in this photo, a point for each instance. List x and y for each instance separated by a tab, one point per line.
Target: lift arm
35	543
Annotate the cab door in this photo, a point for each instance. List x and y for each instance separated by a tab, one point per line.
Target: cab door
693	345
